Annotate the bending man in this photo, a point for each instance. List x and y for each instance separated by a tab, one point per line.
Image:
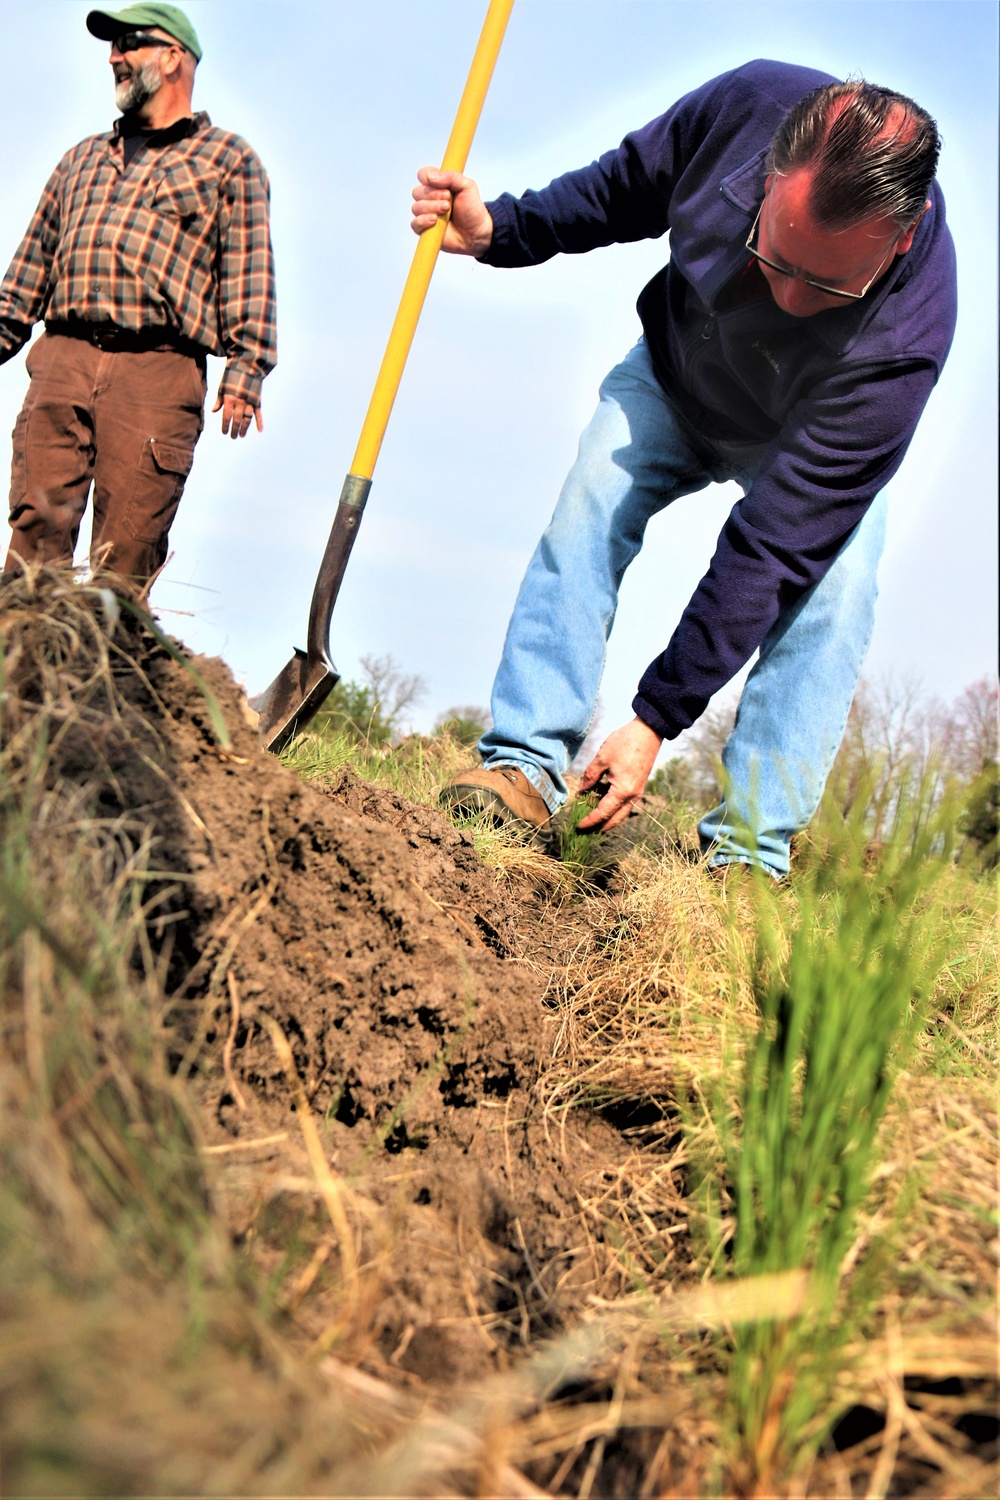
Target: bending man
790	344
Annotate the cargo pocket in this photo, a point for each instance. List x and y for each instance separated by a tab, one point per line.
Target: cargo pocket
156	489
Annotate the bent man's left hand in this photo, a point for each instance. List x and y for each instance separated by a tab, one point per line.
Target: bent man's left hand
237	415
624	761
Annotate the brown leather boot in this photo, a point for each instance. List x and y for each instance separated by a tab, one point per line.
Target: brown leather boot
734	876
505	793
738	875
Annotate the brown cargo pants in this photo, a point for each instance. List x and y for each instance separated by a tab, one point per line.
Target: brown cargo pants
126	422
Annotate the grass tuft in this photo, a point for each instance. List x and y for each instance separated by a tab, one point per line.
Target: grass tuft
843	979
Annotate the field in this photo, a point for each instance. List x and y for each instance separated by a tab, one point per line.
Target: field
344	1151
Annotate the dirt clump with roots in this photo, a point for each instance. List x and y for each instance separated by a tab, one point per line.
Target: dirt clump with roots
343	953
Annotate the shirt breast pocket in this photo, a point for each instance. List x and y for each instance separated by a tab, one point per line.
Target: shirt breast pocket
180	195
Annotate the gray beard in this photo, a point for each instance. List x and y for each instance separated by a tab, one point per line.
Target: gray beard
132	93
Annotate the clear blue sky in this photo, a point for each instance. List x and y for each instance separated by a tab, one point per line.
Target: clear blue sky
343	102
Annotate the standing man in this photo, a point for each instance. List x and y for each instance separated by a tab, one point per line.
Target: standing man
149	249
790	344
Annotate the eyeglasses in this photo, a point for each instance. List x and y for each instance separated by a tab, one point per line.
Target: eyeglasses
819	286
132	41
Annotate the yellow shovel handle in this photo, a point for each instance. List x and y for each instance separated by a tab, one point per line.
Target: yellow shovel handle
418	280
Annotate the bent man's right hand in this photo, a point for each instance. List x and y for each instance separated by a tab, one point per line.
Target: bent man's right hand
470	228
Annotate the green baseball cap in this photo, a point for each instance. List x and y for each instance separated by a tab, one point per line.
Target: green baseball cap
109	24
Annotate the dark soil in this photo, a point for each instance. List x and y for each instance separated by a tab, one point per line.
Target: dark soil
369	930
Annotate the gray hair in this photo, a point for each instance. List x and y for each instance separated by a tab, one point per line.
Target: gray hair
873	152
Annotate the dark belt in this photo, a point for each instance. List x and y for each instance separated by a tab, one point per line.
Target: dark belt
113	340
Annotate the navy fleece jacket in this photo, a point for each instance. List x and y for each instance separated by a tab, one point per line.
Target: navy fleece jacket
835	397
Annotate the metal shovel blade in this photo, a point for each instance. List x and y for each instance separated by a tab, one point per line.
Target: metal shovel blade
296	694
302	685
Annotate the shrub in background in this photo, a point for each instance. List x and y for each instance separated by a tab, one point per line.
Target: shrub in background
466	724
370	713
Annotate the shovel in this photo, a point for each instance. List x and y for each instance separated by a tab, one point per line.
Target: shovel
301	686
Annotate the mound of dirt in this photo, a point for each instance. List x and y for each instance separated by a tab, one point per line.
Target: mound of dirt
367	929
326	919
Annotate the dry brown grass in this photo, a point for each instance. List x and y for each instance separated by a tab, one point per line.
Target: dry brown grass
653	1006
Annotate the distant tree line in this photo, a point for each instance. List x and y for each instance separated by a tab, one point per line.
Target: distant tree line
372	713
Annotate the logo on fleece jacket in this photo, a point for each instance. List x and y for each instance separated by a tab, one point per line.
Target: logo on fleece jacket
768	355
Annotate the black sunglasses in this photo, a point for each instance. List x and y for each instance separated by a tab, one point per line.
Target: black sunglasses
132	41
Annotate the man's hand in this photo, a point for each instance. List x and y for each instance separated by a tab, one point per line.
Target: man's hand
237	414
470	228
624	761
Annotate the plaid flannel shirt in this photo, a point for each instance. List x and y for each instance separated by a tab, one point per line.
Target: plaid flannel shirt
179	240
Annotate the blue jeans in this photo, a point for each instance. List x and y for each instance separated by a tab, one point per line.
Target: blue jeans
635	458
